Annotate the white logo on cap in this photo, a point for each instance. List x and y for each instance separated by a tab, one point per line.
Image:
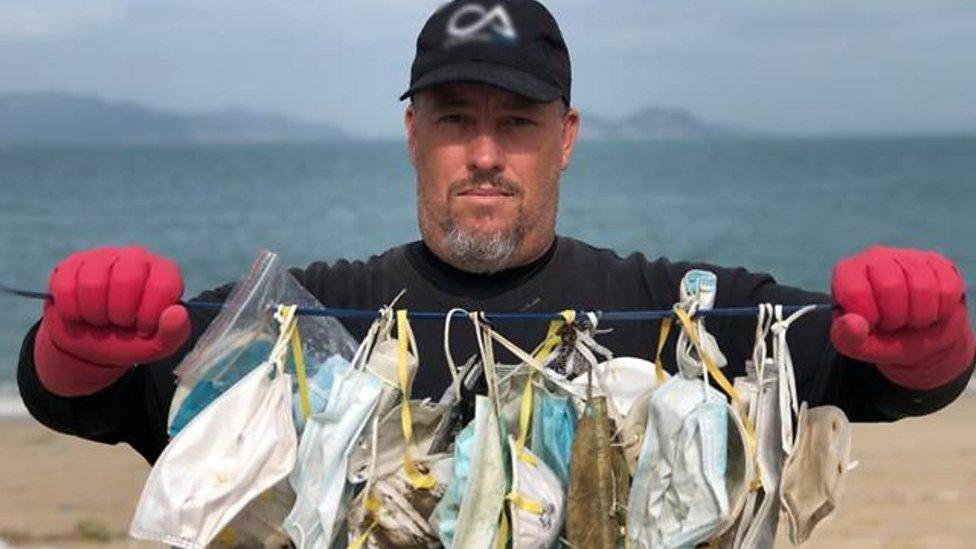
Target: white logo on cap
489	26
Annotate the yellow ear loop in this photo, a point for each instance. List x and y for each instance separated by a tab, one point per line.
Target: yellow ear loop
372	505
501	542
720	378
404	335
662	339
553	339
525	416
299	356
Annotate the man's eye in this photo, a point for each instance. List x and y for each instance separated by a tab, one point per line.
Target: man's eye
450	119
517	121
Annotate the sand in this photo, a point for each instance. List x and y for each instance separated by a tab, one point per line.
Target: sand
915	487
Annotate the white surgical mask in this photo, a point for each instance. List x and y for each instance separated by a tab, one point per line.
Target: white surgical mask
240	445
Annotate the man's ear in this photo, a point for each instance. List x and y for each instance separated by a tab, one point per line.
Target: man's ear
409	118
570	131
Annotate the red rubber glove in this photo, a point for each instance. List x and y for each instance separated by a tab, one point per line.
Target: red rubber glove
904	311
112	308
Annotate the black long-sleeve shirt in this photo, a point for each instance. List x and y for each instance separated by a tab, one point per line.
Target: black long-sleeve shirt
571	275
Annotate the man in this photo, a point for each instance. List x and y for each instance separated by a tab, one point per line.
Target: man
490	129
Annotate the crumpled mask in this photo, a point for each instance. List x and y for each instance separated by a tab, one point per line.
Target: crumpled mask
319	479
815	474
428	418
536	503
232	451
467	515
591	515
397	513
678	497
553	430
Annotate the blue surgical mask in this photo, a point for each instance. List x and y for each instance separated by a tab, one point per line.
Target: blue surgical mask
468	514
553	429
319	478
319	386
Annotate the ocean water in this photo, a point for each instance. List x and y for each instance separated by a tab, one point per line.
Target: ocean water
791	207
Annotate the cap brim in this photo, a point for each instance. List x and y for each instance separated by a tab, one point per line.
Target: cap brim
493	74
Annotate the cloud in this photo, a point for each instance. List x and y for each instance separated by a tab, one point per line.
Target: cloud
828	65
39	19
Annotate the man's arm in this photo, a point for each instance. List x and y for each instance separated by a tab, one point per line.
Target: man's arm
824	375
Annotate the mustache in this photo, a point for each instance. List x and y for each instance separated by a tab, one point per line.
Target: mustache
478	180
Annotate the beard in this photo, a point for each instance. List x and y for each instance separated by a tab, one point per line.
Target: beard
483	252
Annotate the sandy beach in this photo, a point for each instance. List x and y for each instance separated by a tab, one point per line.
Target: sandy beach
915	487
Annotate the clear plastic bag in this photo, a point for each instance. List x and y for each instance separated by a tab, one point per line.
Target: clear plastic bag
241	336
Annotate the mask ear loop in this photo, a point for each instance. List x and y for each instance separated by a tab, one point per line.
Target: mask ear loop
405	340
451	365
760	351
788	400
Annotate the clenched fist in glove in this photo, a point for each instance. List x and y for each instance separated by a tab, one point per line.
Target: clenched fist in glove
112	308
903	310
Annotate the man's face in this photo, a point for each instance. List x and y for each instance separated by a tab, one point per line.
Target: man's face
488	164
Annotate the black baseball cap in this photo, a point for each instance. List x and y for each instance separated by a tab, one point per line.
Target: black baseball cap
511	44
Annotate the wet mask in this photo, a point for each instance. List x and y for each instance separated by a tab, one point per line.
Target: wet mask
396	513
319	478
235	449
678	497
467	515
815	474
591	515
536	502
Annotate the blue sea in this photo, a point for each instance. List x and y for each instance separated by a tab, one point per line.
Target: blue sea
791	207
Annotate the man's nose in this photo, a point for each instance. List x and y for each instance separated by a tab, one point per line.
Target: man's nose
485	153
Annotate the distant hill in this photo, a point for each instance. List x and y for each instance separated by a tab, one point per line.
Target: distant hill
65	118
651	123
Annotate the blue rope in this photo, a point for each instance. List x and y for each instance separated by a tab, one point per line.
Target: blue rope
605	316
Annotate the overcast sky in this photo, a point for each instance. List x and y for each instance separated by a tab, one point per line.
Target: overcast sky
810	67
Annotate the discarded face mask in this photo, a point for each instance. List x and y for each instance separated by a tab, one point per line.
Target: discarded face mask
467	515
396	512
591	514
319	478
626	378
815	474
760	517
740	474
553	430
428	418
536	503
235	449
678	497
630	431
